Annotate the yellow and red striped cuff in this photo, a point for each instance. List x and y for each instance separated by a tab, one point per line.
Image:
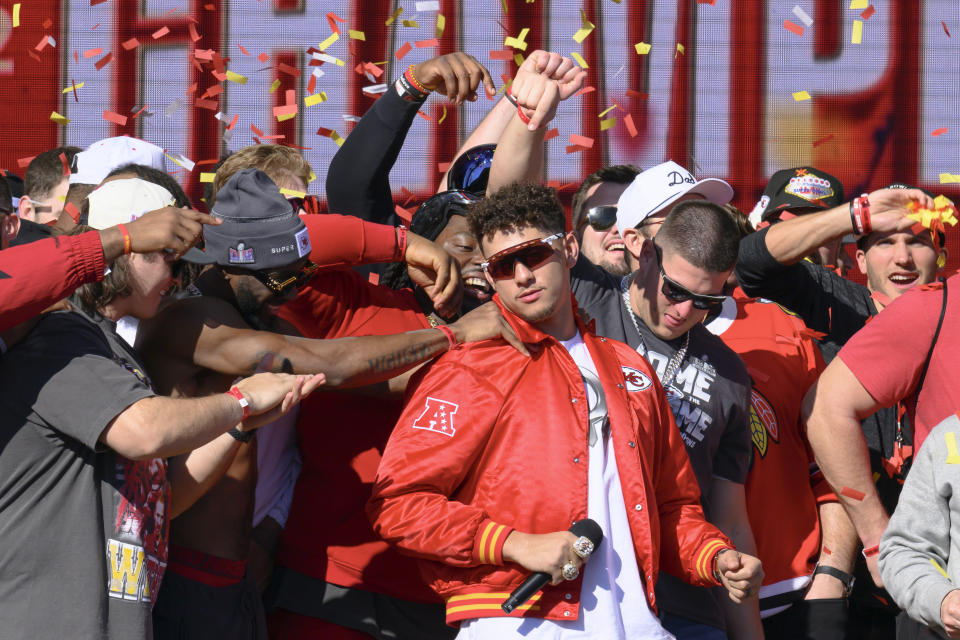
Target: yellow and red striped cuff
705	559
488	545
486	605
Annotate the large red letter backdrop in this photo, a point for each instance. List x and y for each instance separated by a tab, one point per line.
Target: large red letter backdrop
717	86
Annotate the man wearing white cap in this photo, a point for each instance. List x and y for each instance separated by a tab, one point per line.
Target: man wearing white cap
658	310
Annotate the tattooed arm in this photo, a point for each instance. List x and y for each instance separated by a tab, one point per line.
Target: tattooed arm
214	336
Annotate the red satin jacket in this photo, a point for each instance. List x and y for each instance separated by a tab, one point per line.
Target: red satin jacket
492	440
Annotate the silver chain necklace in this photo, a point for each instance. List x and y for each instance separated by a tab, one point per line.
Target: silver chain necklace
673	365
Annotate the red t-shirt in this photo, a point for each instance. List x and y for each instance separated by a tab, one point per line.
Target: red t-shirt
782	497
888	354
341	437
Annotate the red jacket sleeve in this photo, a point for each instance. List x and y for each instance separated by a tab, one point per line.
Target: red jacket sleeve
688	543
36	275
442	431
344	241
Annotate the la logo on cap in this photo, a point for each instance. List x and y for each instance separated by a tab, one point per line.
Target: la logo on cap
240	255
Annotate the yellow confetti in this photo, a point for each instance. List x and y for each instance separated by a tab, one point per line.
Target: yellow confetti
274	86
207	177
586	28
411	23
59	119
939	568
236	77
357	35
859	4
441	25
642	48
286	116
609	123
800	96
326	44
518	42
336	138
16	15
943	210
606	111
857	36
680	50
293	194
313	176
70	88
443	116
518	58
876	476
315	98
580	60
503	3
394	16
949	178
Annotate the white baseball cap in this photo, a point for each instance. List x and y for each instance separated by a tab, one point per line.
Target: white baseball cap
659	187
100	158
121	201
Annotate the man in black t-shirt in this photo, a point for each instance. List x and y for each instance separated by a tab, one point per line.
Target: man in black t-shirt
658	310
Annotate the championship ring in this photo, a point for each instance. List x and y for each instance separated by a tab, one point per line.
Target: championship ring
583	547
570	571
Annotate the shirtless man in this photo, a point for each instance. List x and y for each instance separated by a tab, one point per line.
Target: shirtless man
201	344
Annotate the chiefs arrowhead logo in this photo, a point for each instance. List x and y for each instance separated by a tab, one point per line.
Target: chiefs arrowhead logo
437	416
636	380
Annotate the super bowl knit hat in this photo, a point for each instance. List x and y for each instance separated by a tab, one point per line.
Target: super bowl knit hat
260	229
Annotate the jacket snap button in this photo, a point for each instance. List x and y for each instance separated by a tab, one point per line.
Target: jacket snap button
574	401
568	596
576	459
619	386
632	445
639	507
566	613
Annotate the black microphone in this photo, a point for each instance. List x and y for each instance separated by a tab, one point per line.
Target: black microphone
586	527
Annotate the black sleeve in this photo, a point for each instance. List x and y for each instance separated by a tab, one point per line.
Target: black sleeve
358	181
590	284
803	288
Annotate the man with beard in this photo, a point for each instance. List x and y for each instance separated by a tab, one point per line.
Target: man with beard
198	345
594	217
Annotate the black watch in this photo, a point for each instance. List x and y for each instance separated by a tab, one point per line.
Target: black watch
844	577
241	436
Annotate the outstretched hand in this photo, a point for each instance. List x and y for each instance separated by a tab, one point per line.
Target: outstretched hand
456	75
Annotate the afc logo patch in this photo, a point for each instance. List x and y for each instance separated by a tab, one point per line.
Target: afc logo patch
636	380
437	416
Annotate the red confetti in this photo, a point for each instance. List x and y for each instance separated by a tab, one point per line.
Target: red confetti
89	53
91	28
333	19
405	214
551	134
584	91
945	30
192	89
193	32
263	57
115	118
631	127
212	105
374	278
501	54
94	3
73	83
34	56
866	13
66	165
820	141
142	109
793	28
73	212
940	131
104	61
212	91
256	130
443	167
709	2
853	493
242	50
637	94
49	23
233	122
312	85
132	43
323	131
581	141
42	44
285	68
210	7
159	33
827	551
423	44
23	162
402	51
424	116
574	148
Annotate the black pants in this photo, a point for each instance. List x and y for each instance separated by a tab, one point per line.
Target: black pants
824	619
187	609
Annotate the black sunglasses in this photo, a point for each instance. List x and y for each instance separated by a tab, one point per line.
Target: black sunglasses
280	287
601	217
675	292
532	254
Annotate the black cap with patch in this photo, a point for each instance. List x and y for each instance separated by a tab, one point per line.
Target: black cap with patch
800	188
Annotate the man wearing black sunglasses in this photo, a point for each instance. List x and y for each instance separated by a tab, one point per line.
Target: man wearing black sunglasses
658	310
594	217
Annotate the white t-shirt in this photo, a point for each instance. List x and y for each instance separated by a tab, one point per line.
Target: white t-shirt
613	605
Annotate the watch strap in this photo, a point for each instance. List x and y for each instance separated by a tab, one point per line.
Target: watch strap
844	577
241	436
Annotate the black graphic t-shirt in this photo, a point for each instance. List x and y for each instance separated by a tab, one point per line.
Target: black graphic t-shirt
710	400
84	530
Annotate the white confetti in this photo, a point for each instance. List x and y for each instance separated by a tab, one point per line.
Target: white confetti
172	108
348	118
376	88
802	15
428	6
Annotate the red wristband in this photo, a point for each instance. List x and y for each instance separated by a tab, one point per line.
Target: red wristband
408	74
864	203
523	117
869	552
236	393
401	243
126	238
447	331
